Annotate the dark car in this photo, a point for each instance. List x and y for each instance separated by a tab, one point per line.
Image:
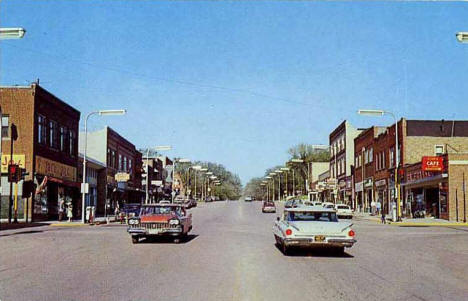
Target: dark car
268	206
131	210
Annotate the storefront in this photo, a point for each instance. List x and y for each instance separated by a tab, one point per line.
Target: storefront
368	193
55	182
426	192
359	196
345	190
381	194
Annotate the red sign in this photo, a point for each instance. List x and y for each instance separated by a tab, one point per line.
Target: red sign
432	163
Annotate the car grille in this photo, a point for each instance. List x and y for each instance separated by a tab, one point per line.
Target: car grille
148	226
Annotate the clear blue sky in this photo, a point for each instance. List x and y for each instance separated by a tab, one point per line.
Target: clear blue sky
239	82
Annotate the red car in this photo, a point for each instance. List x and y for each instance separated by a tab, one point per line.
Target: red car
160	220
268	207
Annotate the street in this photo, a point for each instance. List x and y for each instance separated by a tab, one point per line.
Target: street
231	256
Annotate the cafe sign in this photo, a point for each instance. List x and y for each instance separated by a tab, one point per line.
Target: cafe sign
55	169
434	163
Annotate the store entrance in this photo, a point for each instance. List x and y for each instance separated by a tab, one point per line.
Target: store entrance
432	202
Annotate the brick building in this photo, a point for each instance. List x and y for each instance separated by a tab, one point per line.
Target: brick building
47	147
416	139
123	167
342	160
364	167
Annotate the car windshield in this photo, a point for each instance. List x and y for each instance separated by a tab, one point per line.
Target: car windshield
312	216
155	210
343	207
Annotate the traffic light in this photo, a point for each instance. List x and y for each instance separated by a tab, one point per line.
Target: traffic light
401	176
14	173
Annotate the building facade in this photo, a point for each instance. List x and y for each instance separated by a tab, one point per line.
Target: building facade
47	147
342	161
364	167
123	166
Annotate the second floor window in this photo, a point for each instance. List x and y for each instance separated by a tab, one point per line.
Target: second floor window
53	134
120	162
72	143
125	163
41	129
5	126
63	138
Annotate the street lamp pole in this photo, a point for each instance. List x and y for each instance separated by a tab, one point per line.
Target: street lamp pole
84	186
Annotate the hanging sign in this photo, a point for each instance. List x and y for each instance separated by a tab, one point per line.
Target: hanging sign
434	163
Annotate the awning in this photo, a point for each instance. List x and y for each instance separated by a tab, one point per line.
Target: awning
429	181
64	182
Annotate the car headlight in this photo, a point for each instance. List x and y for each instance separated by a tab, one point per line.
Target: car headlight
174	222
133	222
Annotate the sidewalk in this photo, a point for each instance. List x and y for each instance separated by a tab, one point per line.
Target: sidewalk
411	222
4	225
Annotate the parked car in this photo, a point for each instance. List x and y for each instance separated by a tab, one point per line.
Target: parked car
312	227
344	211
268	206
160	220
248	199
190	203
328	205
179	199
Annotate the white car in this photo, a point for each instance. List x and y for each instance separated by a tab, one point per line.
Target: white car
312	227
343	210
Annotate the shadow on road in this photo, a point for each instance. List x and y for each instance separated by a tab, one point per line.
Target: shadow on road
168	240
311	252
14	226
23	232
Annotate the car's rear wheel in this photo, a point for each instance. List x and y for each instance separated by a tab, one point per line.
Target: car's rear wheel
135	239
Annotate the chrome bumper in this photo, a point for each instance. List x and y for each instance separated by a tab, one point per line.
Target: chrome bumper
310	242
139	231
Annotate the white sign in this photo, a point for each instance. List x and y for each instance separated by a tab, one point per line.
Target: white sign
122	177
358	187
84	187
156	182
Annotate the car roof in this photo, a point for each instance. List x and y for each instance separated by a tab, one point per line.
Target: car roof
310	209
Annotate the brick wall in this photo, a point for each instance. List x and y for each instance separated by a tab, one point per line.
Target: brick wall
458	165
418	146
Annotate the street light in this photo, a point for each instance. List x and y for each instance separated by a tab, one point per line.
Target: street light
84	184
462	36
12	33
380	113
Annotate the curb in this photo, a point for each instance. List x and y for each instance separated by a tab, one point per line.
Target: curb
68	225
428	224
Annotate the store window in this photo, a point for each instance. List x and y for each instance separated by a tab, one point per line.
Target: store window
5	126
41	129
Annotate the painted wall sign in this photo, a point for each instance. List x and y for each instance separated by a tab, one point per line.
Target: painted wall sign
55	169
17	159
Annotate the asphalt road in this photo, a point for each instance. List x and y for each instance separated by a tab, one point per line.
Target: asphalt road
231	256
